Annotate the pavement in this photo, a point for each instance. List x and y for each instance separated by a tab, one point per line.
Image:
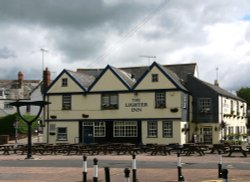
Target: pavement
152	174
74	174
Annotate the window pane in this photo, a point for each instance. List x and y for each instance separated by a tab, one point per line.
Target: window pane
205	104
62	133
109	101
99	129
64	82
125	129
160	99
167	129
66	102
152	128
154	77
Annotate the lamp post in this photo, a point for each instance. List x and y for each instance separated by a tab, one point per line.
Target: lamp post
16	130
19	104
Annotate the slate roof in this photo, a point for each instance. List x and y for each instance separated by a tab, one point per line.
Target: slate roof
83	79
12	90
130	75
127	78
219	90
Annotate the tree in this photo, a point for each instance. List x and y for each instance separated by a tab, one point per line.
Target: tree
244	93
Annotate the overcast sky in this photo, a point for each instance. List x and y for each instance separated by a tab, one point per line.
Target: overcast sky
95	33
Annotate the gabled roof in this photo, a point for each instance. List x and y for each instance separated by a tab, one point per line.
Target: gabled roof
83	79
219	90
181	70
168	73
121	75
126	78
130	76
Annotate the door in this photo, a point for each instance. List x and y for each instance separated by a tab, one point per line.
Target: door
88	134
206	135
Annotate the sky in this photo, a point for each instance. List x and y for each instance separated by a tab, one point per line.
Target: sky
124	33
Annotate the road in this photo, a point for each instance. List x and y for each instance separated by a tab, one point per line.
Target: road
120	164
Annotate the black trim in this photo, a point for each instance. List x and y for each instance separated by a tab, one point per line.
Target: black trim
116	91
114	119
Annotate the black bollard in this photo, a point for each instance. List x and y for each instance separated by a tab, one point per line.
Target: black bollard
85	169
134	167
107	174
179	168
220	165
224	175
126	174
95	176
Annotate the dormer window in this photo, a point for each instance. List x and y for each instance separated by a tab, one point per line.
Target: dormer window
154	77
64	82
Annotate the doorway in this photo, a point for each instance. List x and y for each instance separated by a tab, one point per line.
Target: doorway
88	132
206	134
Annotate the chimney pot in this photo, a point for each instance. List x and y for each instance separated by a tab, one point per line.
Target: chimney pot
20	79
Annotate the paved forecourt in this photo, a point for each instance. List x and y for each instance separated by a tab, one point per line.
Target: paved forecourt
164	174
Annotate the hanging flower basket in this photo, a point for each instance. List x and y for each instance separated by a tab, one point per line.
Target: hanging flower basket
174	109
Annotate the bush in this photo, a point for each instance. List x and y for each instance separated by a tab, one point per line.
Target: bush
7	125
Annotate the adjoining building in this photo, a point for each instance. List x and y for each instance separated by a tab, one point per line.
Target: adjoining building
12	90
156	104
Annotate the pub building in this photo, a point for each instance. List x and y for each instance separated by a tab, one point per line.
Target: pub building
149	104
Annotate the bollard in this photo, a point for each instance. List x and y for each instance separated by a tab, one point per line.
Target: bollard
95	176
126	174
180	177
85	169
224	175
134	168
220	165
107	174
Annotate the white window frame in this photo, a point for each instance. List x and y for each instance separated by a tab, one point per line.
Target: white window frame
152	129
205	105
99	129
125	129
167	129
160	99
62	136
66	102
109	101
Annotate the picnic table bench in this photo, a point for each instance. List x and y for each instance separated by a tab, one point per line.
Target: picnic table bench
193	148
237	148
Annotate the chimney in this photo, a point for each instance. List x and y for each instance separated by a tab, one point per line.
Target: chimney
216	83
46	79
20	79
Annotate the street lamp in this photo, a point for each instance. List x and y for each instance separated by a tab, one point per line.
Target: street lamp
19	104
16	130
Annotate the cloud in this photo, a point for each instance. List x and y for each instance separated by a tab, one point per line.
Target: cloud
6	53
95	33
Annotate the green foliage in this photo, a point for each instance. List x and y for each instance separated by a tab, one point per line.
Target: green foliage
7	125
244	93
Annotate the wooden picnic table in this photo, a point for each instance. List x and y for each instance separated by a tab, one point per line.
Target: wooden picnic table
224	148
161	149
237	148
6	148
193	148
